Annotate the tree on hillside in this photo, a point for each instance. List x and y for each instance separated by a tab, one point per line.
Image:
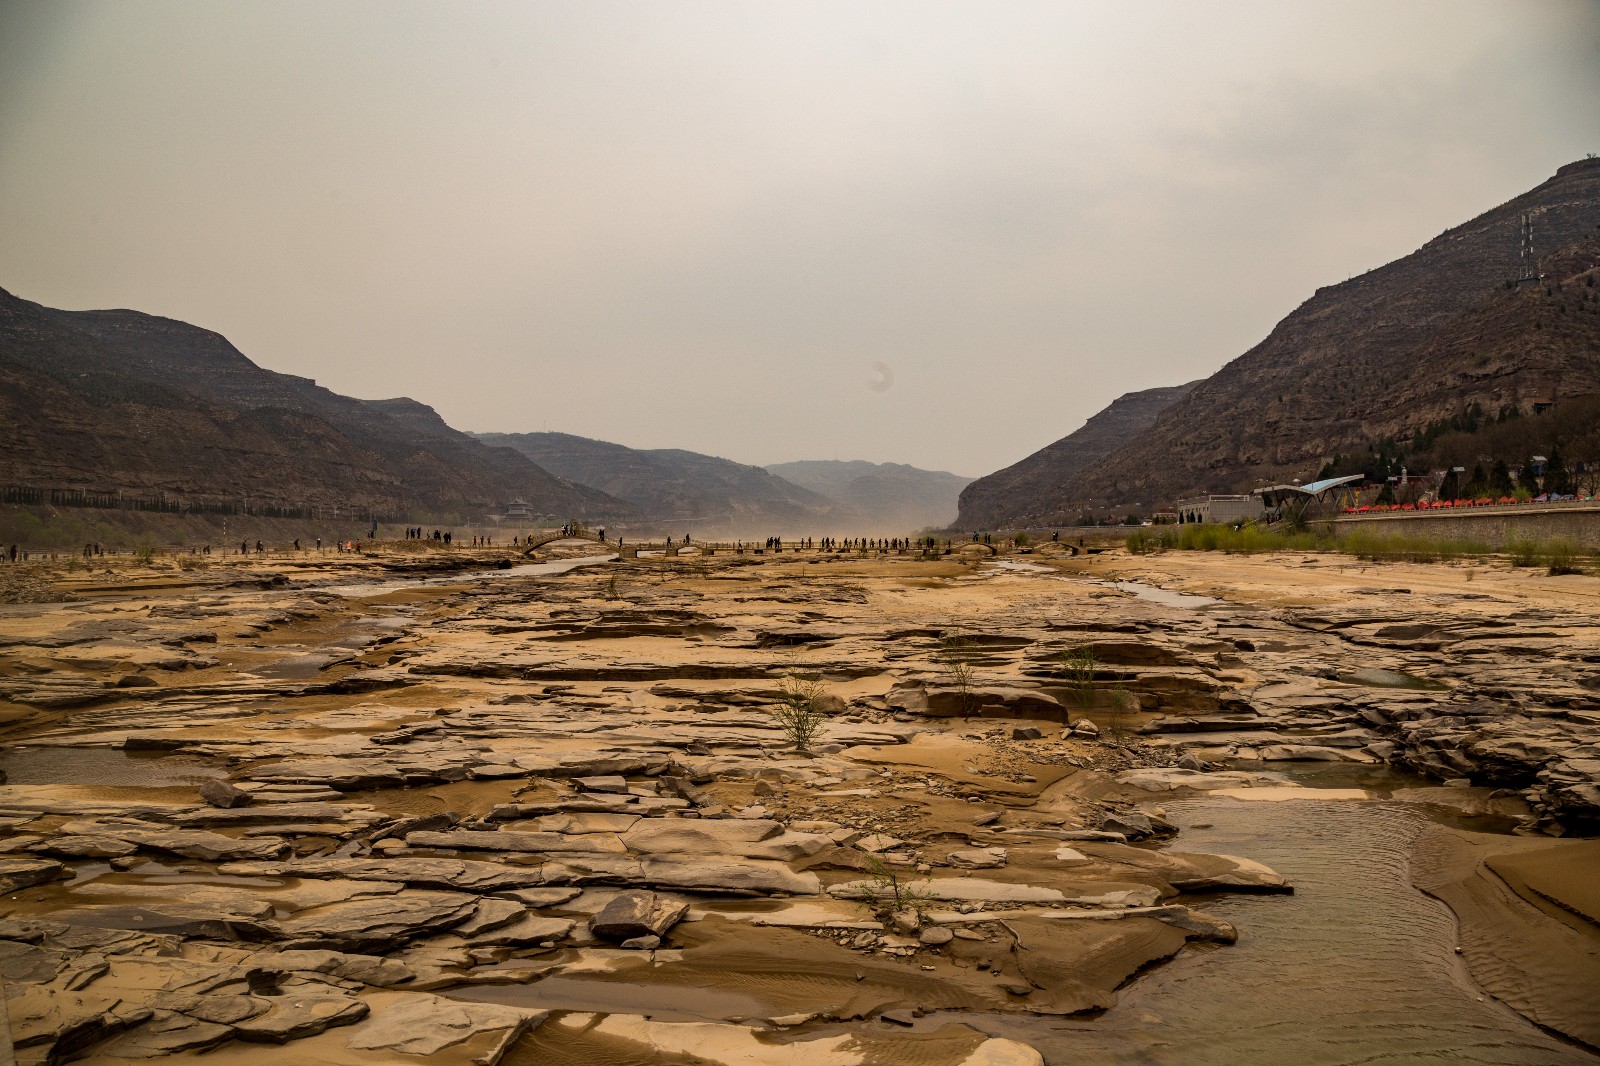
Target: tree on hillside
1557	478
1450	487
1478	484
1527	479
1500	479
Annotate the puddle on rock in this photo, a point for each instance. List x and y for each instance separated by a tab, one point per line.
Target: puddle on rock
661	1002
1387	679
108	767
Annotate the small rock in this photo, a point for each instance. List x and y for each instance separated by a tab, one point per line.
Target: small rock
936	935
1026	732
1017	988
609	783
219	793
1190	761
642	943
987	819
899	1017
636	914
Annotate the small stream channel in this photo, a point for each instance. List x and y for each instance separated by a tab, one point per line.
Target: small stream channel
1357	968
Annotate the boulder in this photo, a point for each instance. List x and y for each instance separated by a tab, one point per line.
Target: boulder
17	872
53	1025
607	783
426	1025
85	847
293	1017
978	858
219	793
755	838
367	969
167	1033
363	924
636	914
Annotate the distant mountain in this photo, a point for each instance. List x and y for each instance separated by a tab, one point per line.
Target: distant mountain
1033	491
887	498
1381	357
702	493
120	401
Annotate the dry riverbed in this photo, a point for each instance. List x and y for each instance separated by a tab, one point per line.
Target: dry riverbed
541	815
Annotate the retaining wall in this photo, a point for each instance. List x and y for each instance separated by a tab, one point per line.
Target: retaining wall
1490	525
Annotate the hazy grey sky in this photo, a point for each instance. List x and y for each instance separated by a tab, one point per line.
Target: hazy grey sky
704	225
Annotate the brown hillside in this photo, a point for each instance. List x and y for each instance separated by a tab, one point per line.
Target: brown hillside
127	402
1380	355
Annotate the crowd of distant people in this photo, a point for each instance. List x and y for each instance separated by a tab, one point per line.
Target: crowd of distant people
449	538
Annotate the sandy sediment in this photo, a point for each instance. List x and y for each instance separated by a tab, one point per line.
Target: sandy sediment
1526	922
550	816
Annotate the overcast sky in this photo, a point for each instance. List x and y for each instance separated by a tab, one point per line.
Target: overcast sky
939	234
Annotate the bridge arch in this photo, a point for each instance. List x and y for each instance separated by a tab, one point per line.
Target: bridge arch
533	544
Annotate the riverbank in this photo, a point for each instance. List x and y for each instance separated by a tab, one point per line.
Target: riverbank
426	799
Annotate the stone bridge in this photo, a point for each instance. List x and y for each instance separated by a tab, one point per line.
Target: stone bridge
630	549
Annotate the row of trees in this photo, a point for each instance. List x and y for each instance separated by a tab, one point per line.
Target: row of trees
1495	452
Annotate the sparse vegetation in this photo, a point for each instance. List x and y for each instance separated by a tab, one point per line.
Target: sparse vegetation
1079	667
799	710
956	657
888	892
1522	552
1561	556
1119	713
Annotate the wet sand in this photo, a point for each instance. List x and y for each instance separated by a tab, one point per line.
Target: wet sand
457	721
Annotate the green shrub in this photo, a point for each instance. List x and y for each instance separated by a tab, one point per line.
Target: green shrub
1522	552
799	711
1079	667
1562	557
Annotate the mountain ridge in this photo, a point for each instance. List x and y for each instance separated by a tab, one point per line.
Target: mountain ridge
1377	356
123	401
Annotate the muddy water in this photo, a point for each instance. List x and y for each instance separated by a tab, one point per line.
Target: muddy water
103	766
1358	967
557	566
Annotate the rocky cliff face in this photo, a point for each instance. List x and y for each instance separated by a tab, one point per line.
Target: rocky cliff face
1380	355
1036	490
123	401
706	494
